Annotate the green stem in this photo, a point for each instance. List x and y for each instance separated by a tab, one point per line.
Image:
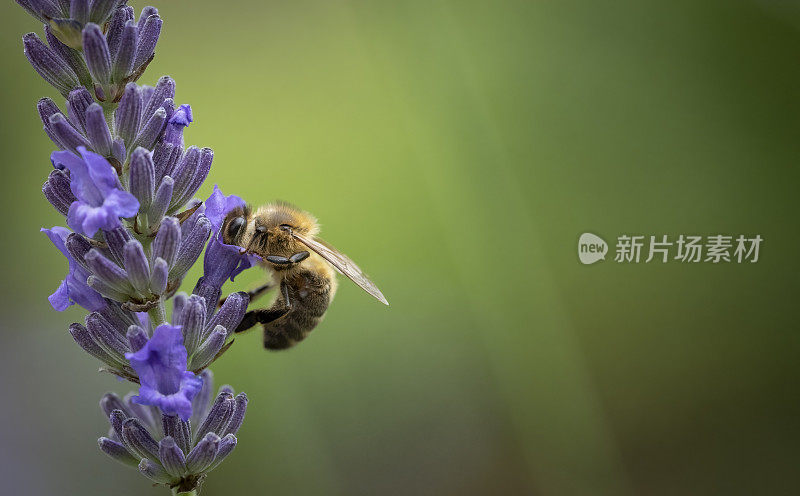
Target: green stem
158	314
108	112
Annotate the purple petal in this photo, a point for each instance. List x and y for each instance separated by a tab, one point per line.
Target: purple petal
161	365
60	299
88	220
218	205
121	203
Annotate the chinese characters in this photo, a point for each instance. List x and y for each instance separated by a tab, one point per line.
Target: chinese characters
718	248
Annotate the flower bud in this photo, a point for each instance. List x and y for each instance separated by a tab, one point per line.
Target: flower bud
142	178
149	32
125	53
128	114
96	53
51	67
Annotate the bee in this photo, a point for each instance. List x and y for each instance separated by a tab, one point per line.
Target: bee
302	266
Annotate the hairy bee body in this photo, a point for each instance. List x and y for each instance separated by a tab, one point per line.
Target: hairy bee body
310	291
301	265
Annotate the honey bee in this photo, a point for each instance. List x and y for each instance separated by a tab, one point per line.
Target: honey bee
302	266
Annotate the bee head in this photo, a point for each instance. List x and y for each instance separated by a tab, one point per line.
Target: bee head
268	230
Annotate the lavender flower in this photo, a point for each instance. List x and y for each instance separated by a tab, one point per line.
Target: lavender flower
179	120
125	182
222	261
161	366
101	201
73	289
170	450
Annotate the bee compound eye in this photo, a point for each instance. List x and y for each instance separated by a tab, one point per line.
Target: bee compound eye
235	227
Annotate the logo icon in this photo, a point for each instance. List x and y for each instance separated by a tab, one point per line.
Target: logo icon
591	248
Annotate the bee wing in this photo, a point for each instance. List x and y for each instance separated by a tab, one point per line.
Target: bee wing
343	264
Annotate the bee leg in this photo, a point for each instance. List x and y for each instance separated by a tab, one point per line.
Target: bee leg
251	294
285	289
260	316
266	315
260	291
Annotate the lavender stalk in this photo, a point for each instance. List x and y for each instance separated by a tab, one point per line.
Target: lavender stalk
124	181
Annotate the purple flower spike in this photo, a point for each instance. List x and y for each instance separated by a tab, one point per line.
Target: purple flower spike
161	365
73	288
100	200
126	183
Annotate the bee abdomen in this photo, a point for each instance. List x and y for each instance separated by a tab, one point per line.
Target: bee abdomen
310	294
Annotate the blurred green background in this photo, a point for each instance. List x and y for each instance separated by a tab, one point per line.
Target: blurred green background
457	150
